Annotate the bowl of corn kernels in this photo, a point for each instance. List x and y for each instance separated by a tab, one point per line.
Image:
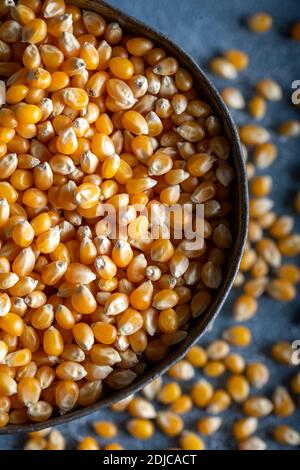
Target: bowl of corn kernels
123	208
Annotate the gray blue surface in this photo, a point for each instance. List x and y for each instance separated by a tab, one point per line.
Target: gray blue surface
206	28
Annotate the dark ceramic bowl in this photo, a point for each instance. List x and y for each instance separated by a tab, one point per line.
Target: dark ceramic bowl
240	218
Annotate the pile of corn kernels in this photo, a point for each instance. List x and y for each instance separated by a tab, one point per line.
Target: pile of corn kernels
164	403
92	115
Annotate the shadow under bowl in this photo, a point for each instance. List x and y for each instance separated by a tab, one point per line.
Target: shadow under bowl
201	324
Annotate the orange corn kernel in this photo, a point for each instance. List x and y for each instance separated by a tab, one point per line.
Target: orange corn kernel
35	31
104	332
83	300
53	342
135	123
12	324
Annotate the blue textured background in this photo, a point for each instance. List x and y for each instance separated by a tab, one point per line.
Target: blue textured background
205	28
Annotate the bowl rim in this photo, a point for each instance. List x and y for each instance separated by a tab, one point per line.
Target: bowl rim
206	321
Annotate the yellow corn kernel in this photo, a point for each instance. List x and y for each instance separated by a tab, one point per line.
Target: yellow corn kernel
190	441
105	429
169	423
